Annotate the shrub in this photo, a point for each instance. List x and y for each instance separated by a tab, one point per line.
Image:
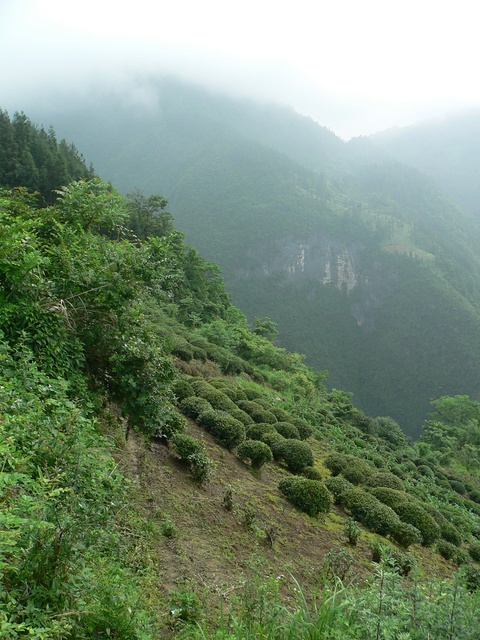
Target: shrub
312	473
417	516
280	414
405	534
257	452
304	429
472	577
446	549
425	471
252	394
244	418
262	415
337	486
256	431
201	386
234	393
335	462
448	531
193	406
390	497
385	479
171	422
226	430
182	389
181	349
458	487
218	400
201	467
357	471
475	496
274	441
352	531
287	430
474	551
403	563
185	446
309	496
370	511
296	454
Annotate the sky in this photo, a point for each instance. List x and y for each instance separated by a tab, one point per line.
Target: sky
355	66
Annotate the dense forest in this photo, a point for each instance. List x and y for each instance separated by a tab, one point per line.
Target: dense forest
354	254
167	471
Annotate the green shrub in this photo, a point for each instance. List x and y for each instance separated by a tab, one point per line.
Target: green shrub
244	418
336	463
201	386
403	563
448	531
474	551
252	394
425	471
304	429
287	430
472	577
262	415
257	430
475	496
417	516
274	441
458	487
446	549
193	406
385	479
312	473
309	496
369	511
257	452
199	353
181	349
390	497
185	446
226	430
337	486
352	531
182	389
357	471
171	422
201	467
234	393
218	400
280	414
296	454
405	534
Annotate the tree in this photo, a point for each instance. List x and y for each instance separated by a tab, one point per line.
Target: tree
148	216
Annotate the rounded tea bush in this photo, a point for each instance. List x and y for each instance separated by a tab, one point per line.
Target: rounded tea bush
365	508
310	496
218	400
226	430
201	386
312	473
357	471
385	479
474	551
172	422
287	430
183	389
244	418
194	406
446	549
417	516
304	429
296	454
257	430
280	414
273	440
337	486
185	446
257	452
405	534
335	462
475	496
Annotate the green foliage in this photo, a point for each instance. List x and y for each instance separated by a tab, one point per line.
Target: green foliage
218	400
185	446
312	473
287	430
385	479
337	486
182	389
309	496
446	549
352	531
365	508
194	406
474	551
418	517
257	452
258	430
296	454
226	430
405	534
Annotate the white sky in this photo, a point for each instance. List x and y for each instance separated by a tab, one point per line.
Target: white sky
356	66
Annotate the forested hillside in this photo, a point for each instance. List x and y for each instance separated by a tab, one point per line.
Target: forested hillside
168	472
363	263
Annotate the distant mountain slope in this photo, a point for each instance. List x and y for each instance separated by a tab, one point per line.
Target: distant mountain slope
448	151
363	263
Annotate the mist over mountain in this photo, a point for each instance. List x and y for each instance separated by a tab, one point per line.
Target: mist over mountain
362	261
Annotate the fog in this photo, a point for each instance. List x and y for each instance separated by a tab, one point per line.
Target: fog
354	67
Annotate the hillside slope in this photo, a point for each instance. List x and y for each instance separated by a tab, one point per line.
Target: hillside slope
362	262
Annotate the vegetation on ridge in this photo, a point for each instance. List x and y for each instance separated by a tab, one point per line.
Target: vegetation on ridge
123	352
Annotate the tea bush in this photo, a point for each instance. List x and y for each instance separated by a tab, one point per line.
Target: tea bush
296	454
446	549
309	496
256	431
365	508
257	452
474	551
226	430
337	486
385	479
287	430
194	406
